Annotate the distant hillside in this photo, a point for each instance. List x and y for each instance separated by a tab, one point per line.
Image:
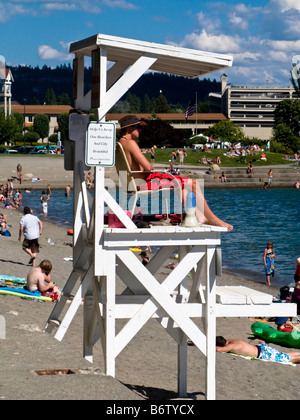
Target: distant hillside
32	83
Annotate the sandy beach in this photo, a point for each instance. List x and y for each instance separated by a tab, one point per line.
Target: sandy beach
145	369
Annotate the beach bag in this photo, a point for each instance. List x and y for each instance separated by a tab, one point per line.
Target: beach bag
113	220
6	233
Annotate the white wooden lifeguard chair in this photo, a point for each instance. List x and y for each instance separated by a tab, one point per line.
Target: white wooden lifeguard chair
101	254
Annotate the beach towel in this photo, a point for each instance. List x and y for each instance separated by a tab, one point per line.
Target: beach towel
8	280
23	293
262	360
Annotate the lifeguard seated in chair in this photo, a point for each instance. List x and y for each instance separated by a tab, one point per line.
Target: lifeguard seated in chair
143	173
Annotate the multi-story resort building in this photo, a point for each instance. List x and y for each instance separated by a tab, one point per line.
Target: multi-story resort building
252	108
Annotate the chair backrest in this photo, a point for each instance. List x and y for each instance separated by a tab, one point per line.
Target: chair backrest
127	181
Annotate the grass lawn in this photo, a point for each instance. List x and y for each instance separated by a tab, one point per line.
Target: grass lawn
164	155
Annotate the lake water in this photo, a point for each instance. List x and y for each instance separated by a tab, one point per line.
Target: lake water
257	216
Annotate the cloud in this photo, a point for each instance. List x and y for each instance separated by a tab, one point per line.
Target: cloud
211	24
12	8
261	39
7	10
73	5
238	22
46	52
280	56
120	4
282	45
285	5
207	42
247	56
60	6
280	19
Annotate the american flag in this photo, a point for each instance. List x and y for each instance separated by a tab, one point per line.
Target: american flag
191	108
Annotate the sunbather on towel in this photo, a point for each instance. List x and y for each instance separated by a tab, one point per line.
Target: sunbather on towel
39	279
261	351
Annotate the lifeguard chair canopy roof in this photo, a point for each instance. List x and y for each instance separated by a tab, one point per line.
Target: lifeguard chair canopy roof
173	60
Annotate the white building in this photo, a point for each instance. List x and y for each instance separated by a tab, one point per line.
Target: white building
252	108
5	89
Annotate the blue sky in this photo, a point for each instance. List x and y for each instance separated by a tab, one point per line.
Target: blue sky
262	36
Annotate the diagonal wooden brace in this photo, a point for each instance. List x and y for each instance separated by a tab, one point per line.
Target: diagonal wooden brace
161	299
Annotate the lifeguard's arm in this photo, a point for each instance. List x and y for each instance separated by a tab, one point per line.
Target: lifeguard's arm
298	261
138	156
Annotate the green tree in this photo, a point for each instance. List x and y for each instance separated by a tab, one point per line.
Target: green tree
63	124
53	138
203	107
148	104
19	120
161	133
41	125
35	101
134	103
161	105
32	137
50	97
8	128
64	99
226	130
287	123
121	107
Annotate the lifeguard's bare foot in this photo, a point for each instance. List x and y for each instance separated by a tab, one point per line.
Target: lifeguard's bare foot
215	221
227	225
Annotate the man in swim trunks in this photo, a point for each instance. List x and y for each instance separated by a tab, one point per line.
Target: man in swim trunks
130	130
261	351
31	227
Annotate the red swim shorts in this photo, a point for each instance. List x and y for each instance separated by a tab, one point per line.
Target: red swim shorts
158	180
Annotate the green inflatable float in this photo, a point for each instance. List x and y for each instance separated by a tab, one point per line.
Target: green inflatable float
272	335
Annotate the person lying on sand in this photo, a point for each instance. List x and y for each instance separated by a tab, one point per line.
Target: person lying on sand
261	351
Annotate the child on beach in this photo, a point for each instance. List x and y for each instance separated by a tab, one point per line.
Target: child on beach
145	259
269	257
223	177
44	198
39	279
285	325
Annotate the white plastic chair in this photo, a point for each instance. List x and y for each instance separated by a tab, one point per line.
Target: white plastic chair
131	185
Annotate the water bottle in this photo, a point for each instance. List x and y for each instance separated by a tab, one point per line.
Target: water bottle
190	208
